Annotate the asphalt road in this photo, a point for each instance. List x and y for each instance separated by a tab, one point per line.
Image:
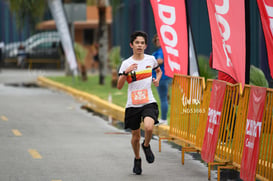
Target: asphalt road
46	136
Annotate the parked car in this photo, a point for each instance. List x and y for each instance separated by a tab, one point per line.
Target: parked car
11	49
44	48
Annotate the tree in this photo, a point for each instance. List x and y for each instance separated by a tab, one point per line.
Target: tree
103	40
103	37
29	10
81	53
34	9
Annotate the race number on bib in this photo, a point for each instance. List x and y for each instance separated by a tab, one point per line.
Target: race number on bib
140	96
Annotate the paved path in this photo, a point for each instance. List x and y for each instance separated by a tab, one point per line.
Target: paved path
46	136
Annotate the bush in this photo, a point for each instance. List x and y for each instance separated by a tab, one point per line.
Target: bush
114	57
204	68
80	52
257	77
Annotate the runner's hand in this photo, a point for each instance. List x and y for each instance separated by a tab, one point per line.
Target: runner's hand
156	82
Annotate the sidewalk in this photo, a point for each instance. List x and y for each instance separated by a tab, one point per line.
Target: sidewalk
25	75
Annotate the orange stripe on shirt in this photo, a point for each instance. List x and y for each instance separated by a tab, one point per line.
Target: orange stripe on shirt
140	75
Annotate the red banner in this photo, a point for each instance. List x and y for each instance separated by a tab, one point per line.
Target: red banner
213	121
171	25
266	12
227	24
253	133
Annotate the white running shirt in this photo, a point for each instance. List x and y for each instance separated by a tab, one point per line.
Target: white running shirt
139	91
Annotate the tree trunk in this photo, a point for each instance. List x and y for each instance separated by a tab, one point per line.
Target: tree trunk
68	72
83	73
103	43
114	81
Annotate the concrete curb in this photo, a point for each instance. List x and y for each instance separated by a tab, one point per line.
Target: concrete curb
95	103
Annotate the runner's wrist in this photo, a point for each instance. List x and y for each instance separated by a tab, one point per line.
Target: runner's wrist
124	73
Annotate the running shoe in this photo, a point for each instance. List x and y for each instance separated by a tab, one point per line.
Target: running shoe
137	166
148	153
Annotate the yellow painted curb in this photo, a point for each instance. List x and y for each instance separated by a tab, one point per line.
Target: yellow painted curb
97	104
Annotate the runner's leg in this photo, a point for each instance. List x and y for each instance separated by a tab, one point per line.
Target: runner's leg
135	142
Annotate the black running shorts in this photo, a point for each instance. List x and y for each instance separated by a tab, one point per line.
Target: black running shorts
134	115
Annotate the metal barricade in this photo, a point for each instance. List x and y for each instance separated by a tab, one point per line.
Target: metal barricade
265	164
189	111
186	110
264	169
186	100
227	125
224	148
203	117
239	135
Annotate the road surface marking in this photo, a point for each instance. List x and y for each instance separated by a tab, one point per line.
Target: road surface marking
56	180
116	133
16	132
4	118
70	107
34	154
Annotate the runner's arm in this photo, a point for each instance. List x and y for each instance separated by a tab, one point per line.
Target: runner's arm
158	76
121	81
123	76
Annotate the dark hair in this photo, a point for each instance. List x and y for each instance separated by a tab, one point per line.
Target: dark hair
154	39
138	33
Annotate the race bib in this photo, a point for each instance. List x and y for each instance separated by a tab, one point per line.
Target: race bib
140	96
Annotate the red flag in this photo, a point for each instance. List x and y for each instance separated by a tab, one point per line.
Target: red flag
171	25
253	133
227	23
266	12
213	121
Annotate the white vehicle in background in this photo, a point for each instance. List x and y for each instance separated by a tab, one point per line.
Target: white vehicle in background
11	49
44	48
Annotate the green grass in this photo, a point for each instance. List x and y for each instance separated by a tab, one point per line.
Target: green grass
119	97
92	86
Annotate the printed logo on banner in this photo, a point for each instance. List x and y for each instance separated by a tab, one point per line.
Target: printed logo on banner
269	11
227	23
213	121
253	133
171	25
253	129
224	28
266	13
